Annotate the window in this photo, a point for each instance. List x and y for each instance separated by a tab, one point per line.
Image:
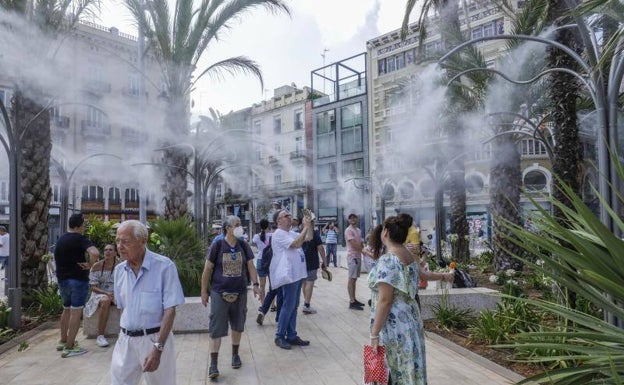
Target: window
258	154
327	203
410	56
351	122
219	191
407	190
400	60
474	184
391	64
535	181
381	66
299	120
132	195
353	168
277	124
477	32
277	146
114	197
532	147
327	172
133	85
300	176
277	177
56	193
298	145
95	117
257	127
326	134
92	193
489	29
4	194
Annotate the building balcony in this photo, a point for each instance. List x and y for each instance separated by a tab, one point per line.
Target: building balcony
298	154
98	87
96	129
273	160
132	92
132	134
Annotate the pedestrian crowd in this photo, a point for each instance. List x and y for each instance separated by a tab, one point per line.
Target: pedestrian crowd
146	287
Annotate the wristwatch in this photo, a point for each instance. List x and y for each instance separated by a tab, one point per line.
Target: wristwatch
160	347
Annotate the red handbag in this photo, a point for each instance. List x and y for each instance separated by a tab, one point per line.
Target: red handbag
375	371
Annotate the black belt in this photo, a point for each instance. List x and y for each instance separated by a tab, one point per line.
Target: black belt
140	332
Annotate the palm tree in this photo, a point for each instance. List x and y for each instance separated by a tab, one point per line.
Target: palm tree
31	123
450	36
179	40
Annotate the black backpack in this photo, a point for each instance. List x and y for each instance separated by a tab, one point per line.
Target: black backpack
463	279
267	255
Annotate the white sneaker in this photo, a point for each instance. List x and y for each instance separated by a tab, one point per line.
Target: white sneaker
101	341
309	310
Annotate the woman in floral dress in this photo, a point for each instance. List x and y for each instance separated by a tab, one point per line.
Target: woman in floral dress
395	314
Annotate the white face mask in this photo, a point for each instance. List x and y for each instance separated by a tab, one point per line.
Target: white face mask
239	232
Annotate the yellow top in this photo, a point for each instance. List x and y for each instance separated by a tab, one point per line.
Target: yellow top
413	236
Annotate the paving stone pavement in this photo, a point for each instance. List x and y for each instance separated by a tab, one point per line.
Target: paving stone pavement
334	356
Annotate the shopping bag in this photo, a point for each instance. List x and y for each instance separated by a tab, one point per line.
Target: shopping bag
375	371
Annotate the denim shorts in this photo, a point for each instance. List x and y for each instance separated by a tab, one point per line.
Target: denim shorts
74	293
261	272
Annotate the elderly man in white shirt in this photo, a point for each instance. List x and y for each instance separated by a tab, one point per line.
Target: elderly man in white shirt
147	289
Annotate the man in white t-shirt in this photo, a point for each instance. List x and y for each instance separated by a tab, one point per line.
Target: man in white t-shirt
287	272
4	248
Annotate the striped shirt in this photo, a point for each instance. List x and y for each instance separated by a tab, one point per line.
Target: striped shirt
331	237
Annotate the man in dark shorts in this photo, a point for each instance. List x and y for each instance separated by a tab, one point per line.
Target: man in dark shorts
72	272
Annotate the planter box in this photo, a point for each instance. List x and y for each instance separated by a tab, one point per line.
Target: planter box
191	317
476	299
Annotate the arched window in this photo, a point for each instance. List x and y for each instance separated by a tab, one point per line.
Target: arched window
535	181
92	194
474	184
407	190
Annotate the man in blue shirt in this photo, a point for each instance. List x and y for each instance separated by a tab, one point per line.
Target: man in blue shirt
147	289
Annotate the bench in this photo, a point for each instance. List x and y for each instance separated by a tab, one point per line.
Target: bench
191	317
475	299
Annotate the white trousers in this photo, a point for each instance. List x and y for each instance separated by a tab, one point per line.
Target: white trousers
128	358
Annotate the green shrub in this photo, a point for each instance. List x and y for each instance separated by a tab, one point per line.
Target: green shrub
450	317
177	240
47	301
99	232
487	328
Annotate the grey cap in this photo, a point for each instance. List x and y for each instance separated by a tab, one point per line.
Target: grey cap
2	228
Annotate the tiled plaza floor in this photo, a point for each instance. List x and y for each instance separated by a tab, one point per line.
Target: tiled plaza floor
337	335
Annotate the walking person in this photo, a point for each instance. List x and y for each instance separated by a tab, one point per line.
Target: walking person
288	269
262	240
355	244
395	315
312	249
72	272
225	273
4	250
331	242
147	290
102	297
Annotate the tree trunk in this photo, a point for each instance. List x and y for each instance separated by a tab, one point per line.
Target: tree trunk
32	123
505	184
176	160
566	162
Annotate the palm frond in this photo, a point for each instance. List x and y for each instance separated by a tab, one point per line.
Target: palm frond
233	65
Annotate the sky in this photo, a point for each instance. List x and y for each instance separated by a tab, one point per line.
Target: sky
286	48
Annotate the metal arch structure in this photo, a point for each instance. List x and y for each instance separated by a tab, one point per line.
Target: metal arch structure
603	89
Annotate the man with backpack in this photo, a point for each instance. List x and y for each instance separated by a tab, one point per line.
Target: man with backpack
312	249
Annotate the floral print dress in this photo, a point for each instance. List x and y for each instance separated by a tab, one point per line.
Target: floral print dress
402	334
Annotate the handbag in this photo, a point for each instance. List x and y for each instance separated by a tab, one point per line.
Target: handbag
375	371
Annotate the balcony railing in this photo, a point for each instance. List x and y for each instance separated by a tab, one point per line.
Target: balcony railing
98	86
132	134
92	128
298	154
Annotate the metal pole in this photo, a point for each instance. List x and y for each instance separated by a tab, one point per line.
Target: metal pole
14	286
141	66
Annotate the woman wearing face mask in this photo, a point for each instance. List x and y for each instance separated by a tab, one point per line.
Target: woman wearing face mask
224	284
